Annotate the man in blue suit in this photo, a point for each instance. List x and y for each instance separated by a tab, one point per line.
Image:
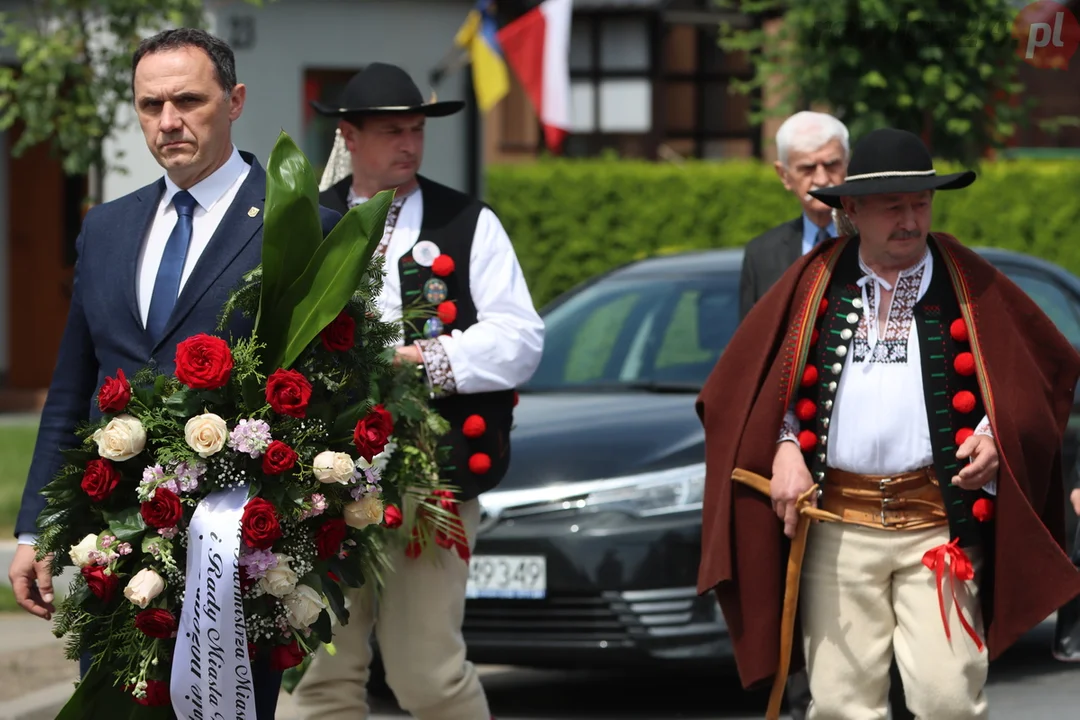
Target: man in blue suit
154	267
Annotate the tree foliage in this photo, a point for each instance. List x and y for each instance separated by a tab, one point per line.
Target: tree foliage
947	71
73	72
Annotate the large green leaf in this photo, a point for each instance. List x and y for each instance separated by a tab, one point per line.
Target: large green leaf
292	229
326	285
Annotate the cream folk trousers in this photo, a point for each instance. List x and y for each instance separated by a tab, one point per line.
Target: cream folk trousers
866	595
417	620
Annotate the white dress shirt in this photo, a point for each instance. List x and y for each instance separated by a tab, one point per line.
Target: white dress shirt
213	195
502	349
878	424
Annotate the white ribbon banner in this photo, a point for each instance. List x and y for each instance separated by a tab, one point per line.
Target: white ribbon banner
211	672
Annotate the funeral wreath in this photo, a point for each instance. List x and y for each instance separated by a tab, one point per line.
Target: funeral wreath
214	514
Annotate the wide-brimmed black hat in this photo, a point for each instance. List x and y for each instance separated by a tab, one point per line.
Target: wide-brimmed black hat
891	161
382	89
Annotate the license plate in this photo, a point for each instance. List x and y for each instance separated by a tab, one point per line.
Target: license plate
507	576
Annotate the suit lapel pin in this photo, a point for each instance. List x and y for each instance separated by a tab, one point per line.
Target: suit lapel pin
253	211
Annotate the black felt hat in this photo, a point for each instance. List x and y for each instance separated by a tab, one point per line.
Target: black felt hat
383	89
889	161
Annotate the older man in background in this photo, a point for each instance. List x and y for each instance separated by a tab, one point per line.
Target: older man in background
812	153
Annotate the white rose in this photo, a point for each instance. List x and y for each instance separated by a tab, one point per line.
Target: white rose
368	510
280	580
206	434
144	587
333	467
80	554
303	606
122	439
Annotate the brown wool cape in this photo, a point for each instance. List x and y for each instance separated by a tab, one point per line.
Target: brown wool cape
1027	373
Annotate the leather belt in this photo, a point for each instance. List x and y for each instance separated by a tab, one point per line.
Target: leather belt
900	502
910	501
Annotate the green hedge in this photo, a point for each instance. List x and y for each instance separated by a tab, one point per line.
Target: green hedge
570	219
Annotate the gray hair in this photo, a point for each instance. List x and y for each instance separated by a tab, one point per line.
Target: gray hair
844	227
808	131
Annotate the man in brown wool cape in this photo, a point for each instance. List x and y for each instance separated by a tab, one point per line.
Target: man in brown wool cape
907	402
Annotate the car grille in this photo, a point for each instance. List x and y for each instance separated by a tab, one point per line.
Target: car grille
610	619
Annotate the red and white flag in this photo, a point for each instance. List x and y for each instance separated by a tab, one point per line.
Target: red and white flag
537	47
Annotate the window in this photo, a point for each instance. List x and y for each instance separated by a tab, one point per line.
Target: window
621	333
1051	299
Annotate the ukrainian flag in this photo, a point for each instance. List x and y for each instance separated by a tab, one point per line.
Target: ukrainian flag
491	78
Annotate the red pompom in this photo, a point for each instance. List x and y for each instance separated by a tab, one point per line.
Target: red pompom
964	401
516	398
809	376
805	409
447	312
822	307
983	509
479	463
814	336
807	440
964	363
473	427
958	330
962	435
443	265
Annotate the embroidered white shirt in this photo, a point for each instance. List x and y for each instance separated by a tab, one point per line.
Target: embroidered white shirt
878	424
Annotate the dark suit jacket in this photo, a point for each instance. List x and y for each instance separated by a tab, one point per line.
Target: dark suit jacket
104	330
766	258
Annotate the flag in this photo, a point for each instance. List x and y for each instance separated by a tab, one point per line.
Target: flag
537	48
491	79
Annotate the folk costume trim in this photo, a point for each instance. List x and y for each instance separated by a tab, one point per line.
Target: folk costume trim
892	347
437	365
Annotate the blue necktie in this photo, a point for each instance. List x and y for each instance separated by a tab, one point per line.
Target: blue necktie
822	236
167	283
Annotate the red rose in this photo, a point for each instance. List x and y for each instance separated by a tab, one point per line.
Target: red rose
372	432
259	526
283	657
329	537
156	623
392	516
288	393
278	458
340	334
163	510
157	693
102	584
115	393
203	362
99	479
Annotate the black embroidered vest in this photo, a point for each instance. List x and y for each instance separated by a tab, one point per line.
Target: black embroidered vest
449	223
954	404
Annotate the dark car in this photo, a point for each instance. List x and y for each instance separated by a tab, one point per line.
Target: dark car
588	551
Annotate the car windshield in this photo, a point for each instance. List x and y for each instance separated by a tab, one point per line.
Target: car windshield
658	334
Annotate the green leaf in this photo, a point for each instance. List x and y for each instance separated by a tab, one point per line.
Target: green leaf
349	570
292	229
326	285
336	600
322	627
346	421
183	403
126	524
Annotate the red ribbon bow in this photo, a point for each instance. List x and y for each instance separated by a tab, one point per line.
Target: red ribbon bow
960	569
456	538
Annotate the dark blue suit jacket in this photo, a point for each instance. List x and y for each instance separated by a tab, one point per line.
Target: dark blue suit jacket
104	330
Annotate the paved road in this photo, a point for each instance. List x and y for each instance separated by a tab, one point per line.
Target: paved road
1026	683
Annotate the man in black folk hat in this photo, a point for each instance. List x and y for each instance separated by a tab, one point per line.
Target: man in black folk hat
449	250
878	381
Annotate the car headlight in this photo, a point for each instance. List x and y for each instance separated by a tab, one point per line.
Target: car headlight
668	491
675	490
